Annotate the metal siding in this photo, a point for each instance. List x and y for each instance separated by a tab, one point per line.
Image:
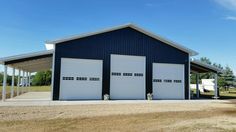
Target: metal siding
125	41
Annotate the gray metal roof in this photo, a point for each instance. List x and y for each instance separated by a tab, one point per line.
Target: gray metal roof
198	62
31	62
27	55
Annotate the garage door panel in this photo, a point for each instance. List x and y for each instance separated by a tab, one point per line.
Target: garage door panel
82	64
126	80
127	89
87	79
168	81
75	92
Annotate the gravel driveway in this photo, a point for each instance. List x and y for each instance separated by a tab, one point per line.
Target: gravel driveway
120	115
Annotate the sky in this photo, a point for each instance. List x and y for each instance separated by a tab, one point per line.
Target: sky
206	26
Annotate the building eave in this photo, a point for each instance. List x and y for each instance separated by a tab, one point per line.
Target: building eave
22	56
211	67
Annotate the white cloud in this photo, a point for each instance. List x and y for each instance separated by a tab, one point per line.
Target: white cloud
228	4
233	18
149	5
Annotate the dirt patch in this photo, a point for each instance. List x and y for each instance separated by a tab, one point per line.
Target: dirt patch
121	117
53	112
163	121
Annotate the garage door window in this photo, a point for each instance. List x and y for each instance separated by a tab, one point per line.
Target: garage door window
94	79
81	78
67	78
177	81
127	74
168	81
157	80
116	74
138	74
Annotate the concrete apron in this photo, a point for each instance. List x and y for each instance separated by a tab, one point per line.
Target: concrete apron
48	102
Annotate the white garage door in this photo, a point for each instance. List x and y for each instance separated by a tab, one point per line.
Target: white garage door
127	77
168	81
80	79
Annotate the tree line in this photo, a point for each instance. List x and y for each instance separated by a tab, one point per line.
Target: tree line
42	78
39	79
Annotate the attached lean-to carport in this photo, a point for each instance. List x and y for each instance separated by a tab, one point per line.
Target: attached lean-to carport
25	64
198	67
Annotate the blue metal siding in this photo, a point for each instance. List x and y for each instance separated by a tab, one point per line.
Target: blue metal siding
125	41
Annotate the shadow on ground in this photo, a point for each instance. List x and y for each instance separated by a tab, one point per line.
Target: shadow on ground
208	96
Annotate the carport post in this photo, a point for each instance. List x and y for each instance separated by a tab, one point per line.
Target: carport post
23	82
29	81
216	87
12	82
197	85
4	83
26	81
18	82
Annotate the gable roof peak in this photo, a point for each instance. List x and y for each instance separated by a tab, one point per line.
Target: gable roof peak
133	26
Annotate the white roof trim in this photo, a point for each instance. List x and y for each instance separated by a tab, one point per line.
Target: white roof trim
22	56
198	62
169	42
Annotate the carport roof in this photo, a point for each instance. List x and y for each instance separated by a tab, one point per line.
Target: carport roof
200	67
31	62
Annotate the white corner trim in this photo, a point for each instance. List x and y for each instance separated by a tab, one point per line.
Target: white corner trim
52	79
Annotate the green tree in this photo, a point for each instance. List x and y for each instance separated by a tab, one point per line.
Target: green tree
48	76
229	78
9	78
209	74
1	78
221	80
42	78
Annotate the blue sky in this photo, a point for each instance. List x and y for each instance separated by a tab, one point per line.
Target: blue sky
207	26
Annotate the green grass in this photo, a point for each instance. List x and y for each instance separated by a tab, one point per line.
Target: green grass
40	88
31	88
231	94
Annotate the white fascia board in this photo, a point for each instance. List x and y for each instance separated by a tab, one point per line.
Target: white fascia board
166	41
22	56
206	65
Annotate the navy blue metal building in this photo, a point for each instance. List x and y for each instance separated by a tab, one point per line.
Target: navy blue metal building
123	62
125	40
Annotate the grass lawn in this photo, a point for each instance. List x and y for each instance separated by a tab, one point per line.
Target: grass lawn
31	88
231	94
40	88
